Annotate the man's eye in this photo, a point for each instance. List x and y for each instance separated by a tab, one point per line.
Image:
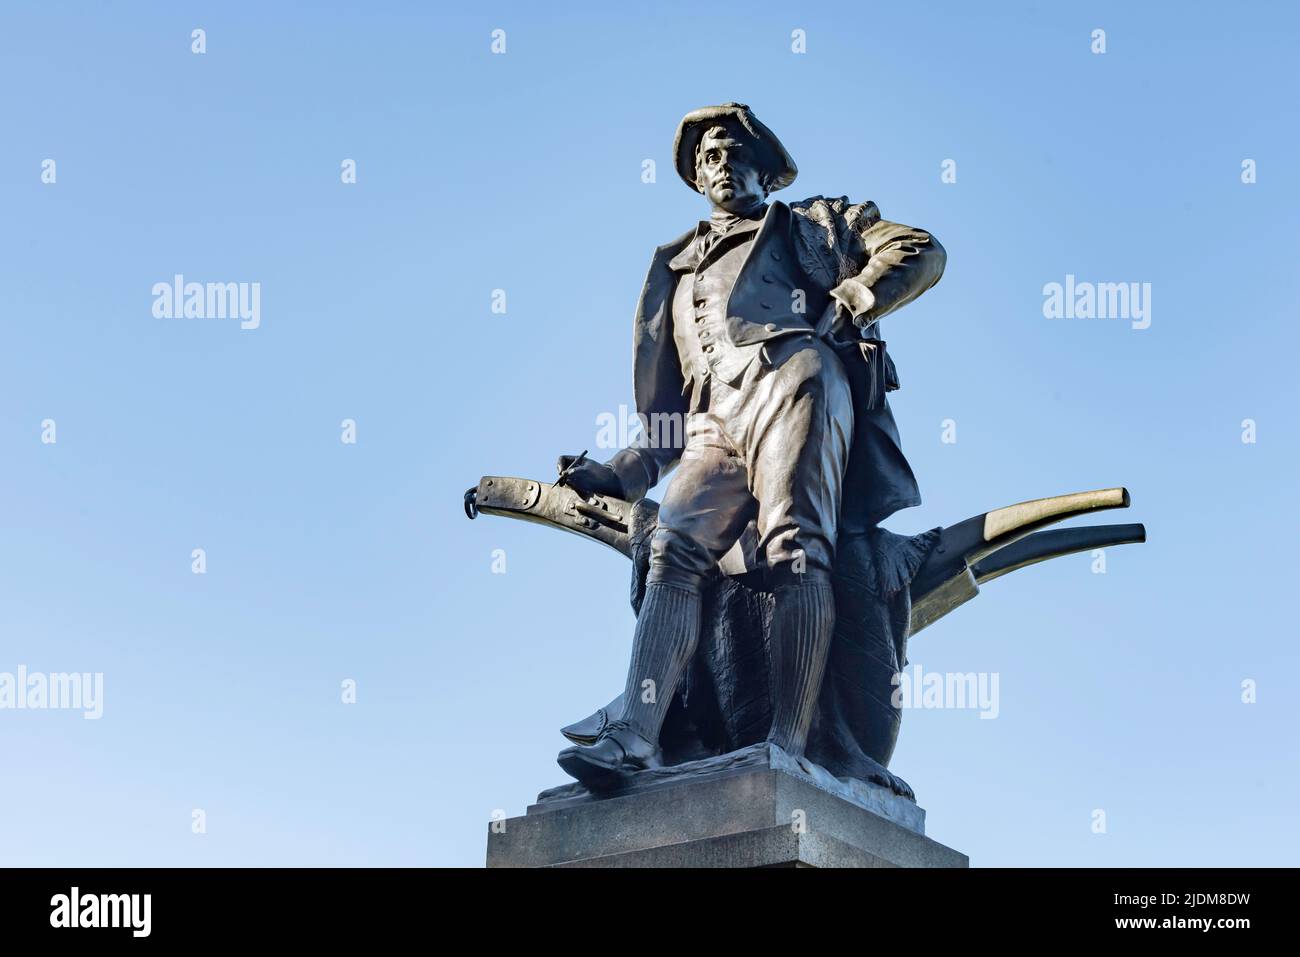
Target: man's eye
713	156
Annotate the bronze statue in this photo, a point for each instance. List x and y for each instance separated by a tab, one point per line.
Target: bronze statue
738	329
772	607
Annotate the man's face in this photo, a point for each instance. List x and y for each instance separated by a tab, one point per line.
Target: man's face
727	172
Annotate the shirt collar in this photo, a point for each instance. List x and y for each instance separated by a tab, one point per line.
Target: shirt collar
730	224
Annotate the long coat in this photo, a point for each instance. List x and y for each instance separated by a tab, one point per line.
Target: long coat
820	248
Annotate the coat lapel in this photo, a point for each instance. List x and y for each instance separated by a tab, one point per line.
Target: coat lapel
776	214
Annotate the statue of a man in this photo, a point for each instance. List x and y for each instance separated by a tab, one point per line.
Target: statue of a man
759	329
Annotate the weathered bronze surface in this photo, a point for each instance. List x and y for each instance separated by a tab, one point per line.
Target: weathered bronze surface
942	572
771	606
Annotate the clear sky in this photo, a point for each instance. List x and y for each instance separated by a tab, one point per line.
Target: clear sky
329	561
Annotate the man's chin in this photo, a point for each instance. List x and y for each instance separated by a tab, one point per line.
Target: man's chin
737	205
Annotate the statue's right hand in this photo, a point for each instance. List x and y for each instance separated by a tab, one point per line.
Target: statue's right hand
591	478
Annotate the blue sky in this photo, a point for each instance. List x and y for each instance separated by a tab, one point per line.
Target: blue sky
328	561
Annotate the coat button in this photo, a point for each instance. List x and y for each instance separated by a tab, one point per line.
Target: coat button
776	255
770	327
699	318
708	348
766	305
767	277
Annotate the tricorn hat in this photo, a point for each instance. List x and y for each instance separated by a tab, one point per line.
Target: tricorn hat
778	163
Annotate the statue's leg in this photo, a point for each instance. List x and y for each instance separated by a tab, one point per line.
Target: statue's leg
706	508
798	428
803	620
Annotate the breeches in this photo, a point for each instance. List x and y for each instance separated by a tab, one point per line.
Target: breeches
772	449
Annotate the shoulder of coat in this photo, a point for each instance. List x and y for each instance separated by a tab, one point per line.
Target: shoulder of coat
825	207
673	247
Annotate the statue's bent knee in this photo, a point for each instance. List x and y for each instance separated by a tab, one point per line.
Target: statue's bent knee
677	558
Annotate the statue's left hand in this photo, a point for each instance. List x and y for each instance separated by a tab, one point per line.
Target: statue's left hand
834	321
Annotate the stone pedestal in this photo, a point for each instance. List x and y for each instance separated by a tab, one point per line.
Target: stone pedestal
756	808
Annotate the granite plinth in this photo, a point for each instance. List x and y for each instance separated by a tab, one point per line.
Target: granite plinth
756	808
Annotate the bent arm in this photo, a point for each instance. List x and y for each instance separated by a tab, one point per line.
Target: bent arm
901	263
